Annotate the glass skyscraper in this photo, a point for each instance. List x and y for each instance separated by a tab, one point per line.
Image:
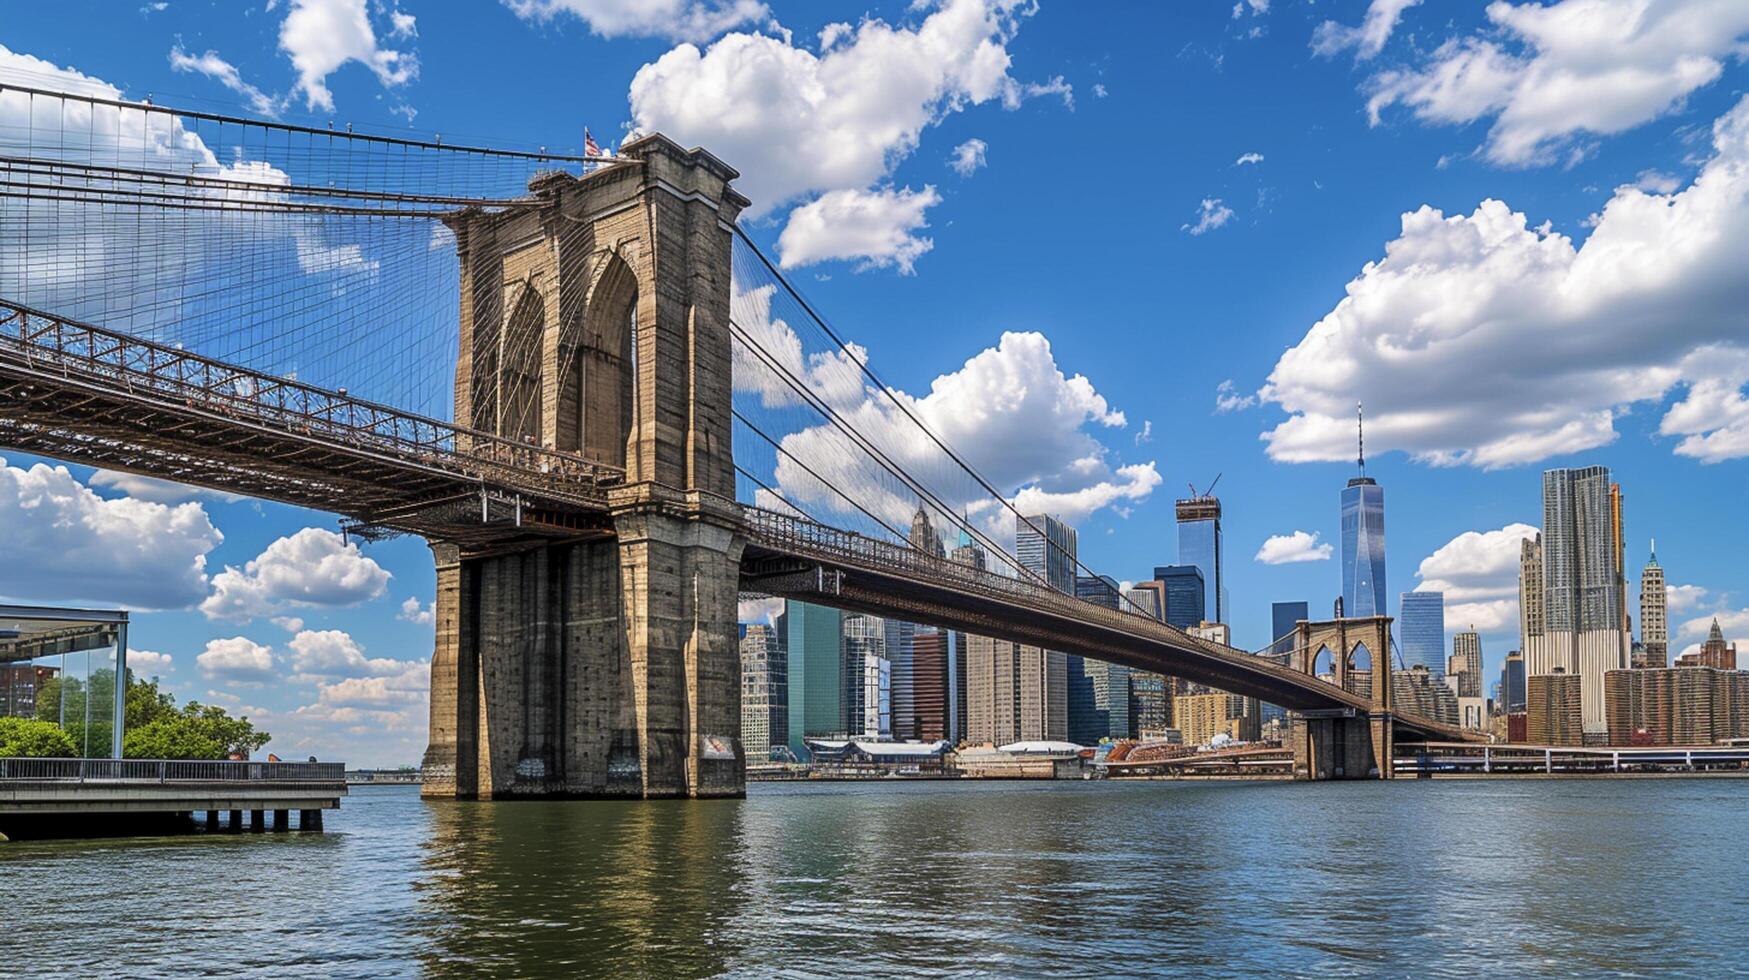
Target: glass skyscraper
815	644
1363	548
1186	590
1199	544
1284	617
1423	621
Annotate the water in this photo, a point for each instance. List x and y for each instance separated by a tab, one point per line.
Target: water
1455	878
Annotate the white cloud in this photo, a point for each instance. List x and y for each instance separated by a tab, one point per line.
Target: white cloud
1283	549
321	36
1147	432
1099	91
1009	411
226	74
413	612
1478	572
1481	340
1248	158
1255	8
1369	38
410	683
148	663
968	157
878	227
237	659
1210	214
796	123
64	543
680	20
1549	74
1679	598
157	491
761	610
1228	398
1731	621
334	653
291	624
313	567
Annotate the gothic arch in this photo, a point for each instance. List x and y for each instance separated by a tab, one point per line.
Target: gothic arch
605	376
519	360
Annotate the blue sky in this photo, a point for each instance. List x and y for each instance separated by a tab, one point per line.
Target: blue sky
1177	197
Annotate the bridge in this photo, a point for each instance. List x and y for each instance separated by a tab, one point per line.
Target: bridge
647	421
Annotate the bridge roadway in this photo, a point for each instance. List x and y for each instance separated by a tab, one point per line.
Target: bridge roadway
73	391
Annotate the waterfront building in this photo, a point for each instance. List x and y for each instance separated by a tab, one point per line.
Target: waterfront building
1099	692
1464	671
1512	689
1200	544
1284	618
929	672
1676	705
1046	547
1654	648
1014	692
814	644
868	677
966	552
1185	588
1150	703
899	638
764	690
1200	717
1714	653
1583	608
1422	618
1363	543
1553	709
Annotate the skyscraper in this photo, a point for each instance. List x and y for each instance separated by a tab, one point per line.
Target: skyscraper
1465	669
1363	543
1422	615
1099	698
1046	548
1150	693
764	690
1199	544
966	552
1654	614
1583	605
930	684
814	639
1533	619
1186	589
1284	619
899	637
868	677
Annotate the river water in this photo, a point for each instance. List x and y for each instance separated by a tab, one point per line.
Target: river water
1447	878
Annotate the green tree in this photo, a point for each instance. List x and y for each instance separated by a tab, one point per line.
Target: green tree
33	738
198	731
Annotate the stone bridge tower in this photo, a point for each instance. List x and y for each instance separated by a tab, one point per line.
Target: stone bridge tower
598	323
1339	743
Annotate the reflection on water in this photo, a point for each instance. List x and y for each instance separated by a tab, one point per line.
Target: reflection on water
1443	879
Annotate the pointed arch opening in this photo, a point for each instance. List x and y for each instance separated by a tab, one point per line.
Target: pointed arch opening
519	356
1359	672
605	375
1324	665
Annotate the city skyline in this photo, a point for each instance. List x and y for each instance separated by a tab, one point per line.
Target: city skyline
218	622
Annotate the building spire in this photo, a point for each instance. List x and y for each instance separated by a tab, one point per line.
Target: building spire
1360	434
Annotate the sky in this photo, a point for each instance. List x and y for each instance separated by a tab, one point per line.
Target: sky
1147	244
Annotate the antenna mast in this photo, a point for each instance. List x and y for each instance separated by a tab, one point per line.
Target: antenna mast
1360	432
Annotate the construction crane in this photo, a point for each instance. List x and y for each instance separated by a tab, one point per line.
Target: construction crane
1209	490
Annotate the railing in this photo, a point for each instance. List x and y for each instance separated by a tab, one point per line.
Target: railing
167	771
55	346
797	536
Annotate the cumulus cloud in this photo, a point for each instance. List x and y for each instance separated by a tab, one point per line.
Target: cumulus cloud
334	653
1369	38
1548	75
1284	549
1210	214
968	157
764	609
414	612
65	543
219	70
157	491
237	659
313	567
797	123
1010	411
680	20
878	227
1478	572
148	663
1680	598
1483	340
322	36
1733	622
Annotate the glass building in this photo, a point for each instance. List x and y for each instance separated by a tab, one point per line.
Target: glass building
1363	548
815	643
1199	544
1185	591
1284	617
60	665
1423	628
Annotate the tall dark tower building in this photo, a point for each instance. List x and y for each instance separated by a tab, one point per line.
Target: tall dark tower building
1363	539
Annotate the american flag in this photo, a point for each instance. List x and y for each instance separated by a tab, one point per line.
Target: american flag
590	149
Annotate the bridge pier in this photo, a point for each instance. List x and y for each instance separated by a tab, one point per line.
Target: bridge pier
1334	746
599	660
